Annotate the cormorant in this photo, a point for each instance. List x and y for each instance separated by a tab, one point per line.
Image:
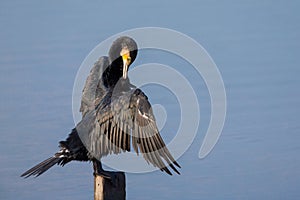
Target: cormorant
115	114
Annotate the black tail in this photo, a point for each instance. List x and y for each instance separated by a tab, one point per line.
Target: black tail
71	149
60	157
41	167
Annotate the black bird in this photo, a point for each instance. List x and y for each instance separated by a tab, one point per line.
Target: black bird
115	114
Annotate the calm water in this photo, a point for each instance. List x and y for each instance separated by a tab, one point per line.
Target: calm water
255	45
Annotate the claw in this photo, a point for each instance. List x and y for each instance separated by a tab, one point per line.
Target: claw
103	174
99	171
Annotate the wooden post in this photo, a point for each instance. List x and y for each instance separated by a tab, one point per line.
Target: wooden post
105	189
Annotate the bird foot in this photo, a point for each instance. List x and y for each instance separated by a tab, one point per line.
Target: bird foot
103	174
99	171
108	176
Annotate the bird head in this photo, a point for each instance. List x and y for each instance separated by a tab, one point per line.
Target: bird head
122	53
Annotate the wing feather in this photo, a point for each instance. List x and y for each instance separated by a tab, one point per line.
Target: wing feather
93	91
121	121
128	119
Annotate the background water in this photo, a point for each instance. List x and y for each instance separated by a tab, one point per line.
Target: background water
255	45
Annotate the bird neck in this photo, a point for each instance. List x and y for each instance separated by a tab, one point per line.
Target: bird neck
112	74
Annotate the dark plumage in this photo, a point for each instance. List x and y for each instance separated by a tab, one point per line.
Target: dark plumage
115	114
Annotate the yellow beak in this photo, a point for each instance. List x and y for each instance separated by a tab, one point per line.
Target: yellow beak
126	62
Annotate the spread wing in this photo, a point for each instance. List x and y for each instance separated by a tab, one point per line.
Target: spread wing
93	90
126	119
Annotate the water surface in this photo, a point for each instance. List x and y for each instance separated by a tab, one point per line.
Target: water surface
255	45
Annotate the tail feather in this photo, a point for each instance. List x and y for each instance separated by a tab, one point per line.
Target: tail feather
42	167
71	149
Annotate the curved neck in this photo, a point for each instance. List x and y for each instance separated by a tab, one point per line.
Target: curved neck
112	74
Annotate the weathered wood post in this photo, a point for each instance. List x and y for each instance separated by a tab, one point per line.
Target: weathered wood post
110	190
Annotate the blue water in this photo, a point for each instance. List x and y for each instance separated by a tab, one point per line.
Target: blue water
254	43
